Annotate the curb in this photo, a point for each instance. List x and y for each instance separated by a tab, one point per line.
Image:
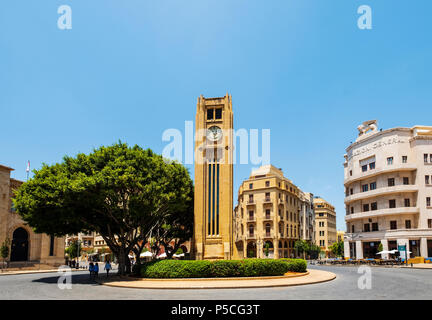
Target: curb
34	272
265	284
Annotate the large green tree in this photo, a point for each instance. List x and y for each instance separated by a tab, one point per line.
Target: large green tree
120	192
301	246
337	249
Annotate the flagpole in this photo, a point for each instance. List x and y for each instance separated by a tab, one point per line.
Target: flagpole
28	169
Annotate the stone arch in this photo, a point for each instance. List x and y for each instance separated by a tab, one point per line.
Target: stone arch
20	245
251	250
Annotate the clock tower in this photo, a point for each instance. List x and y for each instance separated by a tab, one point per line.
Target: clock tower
213	206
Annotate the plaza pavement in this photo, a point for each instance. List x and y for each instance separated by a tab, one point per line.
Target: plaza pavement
387	283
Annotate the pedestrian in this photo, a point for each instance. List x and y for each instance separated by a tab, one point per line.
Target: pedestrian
107	267
91	269
96	269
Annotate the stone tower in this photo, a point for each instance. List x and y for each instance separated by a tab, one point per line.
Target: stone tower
213	207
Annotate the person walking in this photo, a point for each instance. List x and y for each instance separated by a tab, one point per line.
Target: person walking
107	267
91	269
96	269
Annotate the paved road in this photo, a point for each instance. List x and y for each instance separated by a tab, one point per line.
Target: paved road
387	283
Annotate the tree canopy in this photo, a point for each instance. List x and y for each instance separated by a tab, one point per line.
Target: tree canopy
118	191
337	249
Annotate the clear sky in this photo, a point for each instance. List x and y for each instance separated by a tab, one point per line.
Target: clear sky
131	69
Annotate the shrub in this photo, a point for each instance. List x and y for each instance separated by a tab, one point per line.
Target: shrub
296	265
220	268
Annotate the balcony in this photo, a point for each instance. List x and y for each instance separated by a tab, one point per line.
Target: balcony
268	235
251	219
381	212
250	237
379	170
267	200
251	202
268	217
381	192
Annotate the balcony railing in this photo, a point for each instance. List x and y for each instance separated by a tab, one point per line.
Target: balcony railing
267	200
378	171
380	192
382	212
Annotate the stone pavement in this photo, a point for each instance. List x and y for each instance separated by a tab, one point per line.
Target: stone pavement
310	277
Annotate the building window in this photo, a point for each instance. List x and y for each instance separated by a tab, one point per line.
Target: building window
364	168
218	113
210	114
365	188
392	203
352	229
365	207
425	156
250	185
391	182
390	160
267	213
351	191
393	225
375	226
404	159
267	196
267	183
251	230
407	202
371	165
428	202
374	206
430	223
251	215
350	172
407	224
373	186
251	199
366	227
405	180
352	209
427	179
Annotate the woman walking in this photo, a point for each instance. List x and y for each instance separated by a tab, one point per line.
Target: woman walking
107	267
96	269
91	269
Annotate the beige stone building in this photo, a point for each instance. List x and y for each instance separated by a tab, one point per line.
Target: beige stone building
268	212
340	235
325	224
388	191
26	245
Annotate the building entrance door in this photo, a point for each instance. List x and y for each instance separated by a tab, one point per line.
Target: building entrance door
19	250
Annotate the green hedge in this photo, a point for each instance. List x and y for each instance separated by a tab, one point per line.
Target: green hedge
220	268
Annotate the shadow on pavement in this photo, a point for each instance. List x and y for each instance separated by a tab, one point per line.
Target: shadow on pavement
76	279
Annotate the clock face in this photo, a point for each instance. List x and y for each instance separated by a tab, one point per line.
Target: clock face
214	133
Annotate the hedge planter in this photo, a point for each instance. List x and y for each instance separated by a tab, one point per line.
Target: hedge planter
220	268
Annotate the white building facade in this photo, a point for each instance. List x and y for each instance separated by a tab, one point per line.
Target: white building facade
307	217
388	191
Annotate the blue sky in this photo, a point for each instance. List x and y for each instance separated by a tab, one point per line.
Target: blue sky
131	69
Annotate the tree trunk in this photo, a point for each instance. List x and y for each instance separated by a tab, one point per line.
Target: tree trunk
122	262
